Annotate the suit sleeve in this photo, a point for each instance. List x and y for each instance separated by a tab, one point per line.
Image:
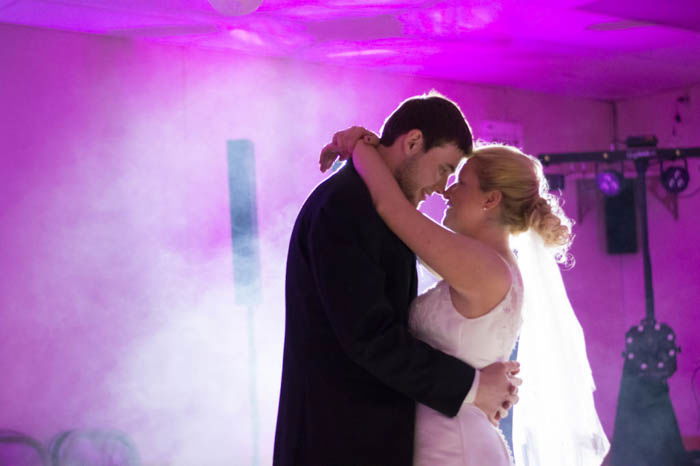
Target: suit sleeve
351	284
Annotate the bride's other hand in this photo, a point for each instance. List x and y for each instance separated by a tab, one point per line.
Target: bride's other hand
343	144
498	389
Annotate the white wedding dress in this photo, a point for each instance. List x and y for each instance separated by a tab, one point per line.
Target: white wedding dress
468	439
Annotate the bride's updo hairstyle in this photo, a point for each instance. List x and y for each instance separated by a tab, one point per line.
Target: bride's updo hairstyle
526	202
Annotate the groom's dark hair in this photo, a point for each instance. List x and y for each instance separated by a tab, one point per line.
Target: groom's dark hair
437	117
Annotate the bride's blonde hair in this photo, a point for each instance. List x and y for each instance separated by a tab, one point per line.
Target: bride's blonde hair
526	201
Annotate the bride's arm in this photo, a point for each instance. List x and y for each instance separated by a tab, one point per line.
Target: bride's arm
466	264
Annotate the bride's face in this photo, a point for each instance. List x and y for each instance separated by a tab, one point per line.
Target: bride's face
465	202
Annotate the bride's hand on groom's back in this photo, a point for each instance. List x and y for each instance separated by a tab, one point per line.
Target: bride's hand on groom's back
498	389
343	144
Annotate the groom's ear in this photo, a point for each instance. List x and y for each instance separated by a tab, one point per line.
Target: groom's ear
413	142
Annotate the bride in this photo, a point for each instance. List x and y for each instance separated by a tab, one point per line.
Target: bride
489	297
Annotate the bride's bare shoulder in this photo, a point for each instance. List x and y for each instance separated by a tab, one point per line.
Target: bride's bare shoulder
481	297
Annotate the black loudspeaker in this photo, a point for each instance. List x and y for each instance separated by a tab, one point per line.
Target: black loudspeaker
621	221
244	221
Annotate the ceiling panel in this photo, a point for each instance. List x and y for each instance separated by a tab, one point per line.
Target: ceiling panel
681	14
603	49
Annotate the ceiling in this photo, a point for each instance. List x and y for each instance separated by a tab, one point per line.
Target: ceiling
605	49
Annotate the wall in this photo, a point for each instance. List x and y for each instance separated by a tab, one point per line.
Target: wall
117	298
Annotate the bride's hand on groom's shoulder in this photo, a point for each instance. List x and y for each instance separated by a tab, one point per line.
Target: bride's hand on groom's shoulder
498	389
343	144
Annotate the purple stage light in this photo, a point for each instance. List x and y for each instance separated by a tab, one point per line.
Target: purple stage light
609	182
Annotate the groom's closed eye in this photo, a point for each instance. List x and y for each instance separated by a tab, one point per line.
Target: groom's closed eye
446	169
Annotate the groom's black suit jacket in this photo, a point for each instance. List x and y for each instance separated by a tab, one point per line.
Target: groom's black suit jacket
351	370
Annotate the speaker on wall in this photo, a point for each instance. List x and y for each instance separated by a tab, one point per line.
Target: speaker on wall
621	221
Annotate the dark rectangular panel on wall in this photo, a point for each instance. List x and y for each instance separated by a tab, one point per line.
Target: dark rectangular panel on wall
244	220
621	221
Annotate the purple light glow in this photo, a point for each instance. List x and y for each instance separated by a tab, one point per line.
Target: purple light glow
117	298
356	53
249	38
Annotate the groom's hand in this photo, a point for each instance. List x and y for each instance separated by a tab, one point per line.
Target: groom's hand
498	389
511	400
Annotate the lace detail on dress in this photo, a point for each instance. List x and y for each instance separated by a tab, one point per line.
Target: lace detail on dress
511	458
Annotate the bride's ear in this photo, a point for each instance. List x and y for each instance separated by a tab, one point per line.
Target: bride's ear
493	199
413	142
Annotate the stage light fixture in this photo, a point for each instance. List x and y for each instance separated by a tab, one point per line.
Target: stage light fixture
609	182
675	178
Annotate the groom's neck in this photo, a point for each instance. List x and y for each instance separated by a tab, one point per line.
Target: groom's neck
391	155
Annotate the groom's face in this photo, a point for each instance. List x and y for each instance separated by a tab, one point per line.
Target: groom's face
425	173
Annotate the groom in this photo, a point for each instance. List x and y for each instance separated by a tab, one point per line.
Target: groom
352	372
